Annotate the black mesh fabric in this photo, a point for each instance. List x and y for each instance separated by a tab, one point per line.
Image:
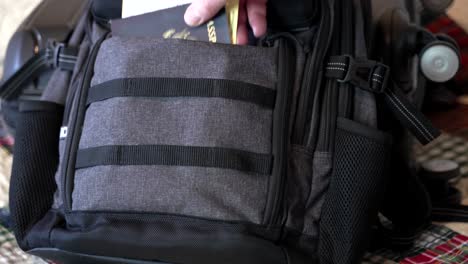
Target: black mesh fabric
354	194
34	164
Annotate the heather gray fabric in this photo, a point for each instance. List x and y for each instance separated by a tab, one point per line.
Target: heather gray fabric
308	178
58	198
210	122
365	108
196	191
150	57
299	182
322	167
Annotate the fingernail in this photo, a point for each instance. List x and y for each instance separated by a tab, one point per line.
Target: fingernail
192	18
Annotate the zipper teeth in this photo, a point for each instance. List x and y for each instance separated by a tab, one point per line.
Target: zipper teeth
72	123
303	130
272	214
303	99
68	104
309	138
277	190
348	48
326	129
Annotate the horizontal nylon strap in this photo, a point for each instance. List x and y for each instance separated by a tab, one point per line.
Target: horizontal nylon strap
360	72
337	67
169	155
183	87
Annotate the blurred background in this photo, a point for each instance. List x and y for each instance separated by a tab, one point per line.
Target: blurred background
12	13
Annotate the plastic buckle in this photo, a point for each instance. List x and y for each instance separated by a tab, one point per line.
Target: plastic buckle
55	48
363	73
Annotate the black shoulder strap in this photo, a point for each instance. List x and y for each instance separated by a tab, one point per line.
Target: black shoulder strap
453	213
375	77
57	55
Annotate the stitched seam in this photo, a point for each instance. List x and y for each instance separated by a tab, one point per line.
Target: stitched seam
416	119
378	75
336	63
335	68
67	61
417	127
67	56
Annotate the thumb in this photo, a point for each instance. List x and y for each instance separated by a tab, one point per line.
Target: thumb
201	11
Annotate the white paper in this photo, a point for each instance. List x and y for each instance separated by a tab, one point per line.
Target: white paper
139	7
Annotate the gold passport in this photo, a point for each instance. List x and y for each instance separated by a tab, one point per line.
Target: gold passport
232	13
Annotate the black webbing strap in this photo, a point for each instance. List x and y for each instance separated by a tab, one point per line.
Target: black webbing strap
181	87
410	117
55	56
374	77
453	213
175	156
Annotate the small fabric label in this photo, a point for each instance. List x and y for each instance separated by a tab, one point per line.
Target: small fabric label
63	132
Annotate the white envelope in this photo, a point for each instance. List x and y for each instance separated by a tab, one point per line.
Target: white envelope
138	7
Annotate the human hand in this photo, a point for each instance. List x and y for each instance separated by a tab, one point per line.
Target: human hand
250	11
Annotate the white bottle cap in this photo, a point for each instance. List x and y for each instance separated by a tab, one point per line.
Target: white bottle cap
439	63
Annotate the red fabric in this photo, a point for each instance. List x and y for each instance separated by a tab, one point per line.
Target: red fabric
445	25
454	251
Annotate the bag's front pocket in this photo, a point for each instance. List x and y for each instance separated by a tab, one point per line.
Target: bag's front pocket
178	127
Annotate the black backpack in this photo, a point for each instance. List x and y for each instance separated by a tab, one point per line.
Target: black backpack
144	150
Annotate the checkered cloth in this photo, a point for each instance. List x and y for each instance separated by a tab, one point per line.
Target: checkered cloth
437	244
454	251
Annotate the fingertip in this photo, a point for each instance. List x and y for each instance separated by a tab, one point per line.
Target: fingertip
256	12
192	16
259	29
242	35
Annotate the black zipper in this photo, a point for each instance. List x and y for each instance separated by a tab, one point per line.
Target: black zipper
346	92
328	117
286	69
75	82
309	103
74	130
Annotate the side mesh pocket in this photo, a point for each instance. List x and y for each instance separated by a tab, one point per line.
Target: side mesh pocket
355	190
34	164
